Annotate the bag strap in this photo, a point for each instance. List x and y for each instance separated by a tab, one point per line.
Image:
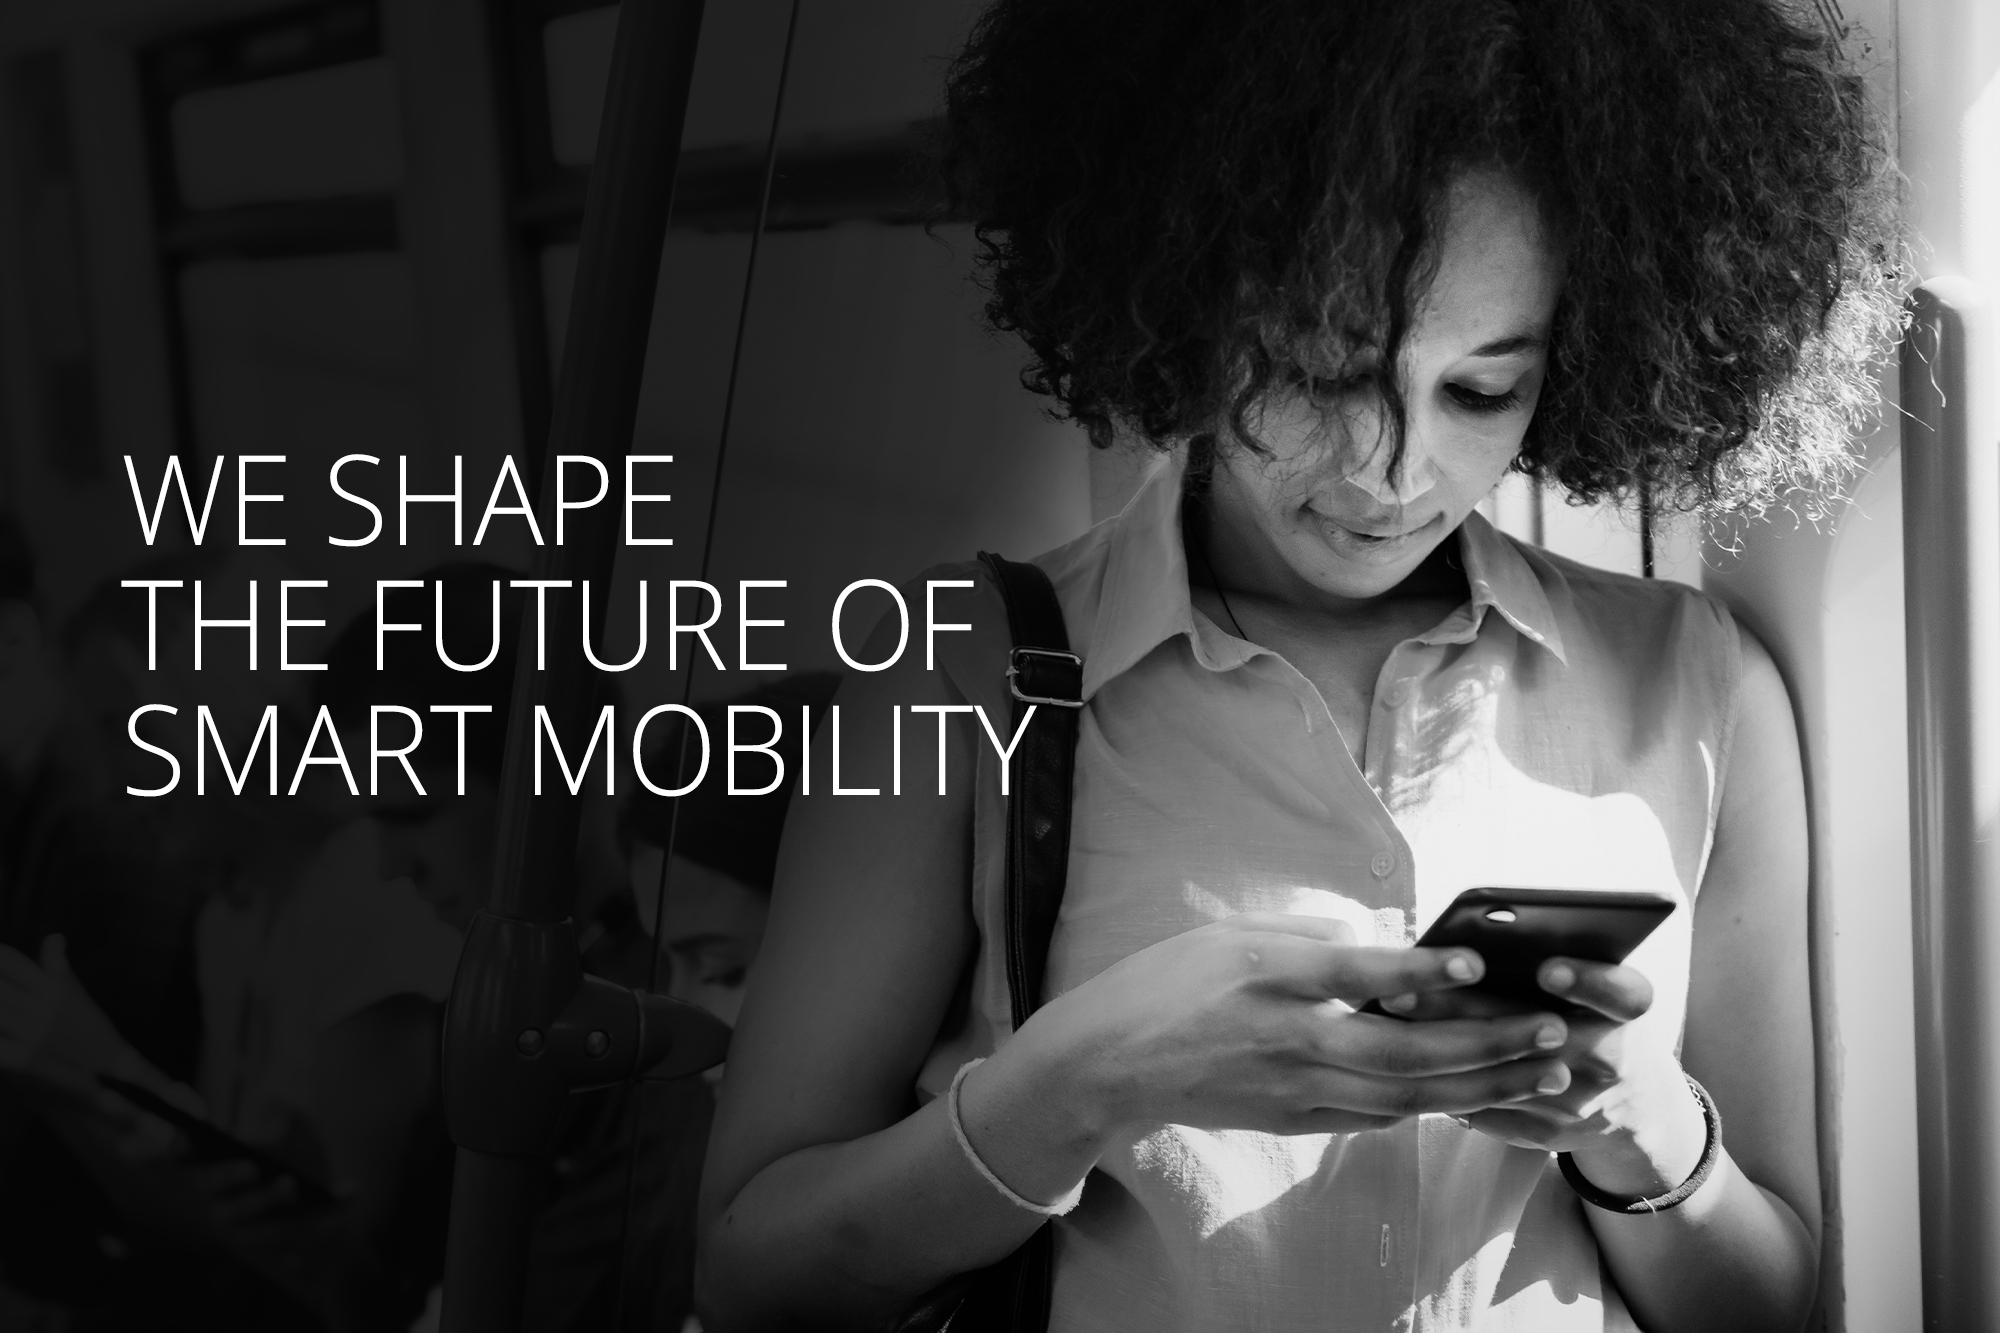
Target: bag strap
1045	677
1013	1295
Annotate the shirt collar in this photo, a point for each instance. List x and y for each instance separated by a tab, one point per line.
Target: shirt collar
1142	600
1501	576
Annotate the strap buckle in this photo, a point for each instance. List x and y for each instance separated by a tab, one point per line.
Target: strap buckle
1045	676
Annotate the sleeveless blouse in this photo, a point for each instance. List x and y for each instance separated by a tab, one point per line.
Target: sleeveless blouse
1565	728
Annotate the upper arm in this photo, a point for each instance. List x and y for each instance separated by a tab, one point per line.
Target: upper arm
1749	1029
869	934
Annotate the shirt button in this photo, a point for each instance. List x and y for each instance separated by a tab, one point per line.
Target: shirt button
1396	695
1382	865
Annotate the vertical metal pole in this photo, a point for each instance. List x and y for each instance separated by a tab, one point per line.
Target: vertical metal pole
1951	573
520	968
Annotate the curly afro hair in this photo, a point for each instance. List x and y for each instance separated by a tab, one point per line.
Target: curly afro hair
1186	205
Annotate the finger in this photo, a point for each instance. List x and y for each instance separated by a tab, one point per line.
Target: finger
1360	974
224	1178
1461	1003
262	1203
1450	1094
55	954
1329	1120
17	967
269	1196
1519	1125
1619	993
1326	929
1374	1045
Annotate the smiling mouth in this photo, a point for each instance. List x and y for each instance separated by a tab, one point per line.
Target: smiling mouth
1368	532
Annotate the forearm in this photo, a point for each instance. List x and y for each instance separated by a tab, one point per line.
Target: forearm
854	1233
1734	1256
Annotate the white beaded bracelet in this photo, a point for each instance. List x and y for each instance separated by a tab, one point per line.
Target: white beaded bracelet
1057	1209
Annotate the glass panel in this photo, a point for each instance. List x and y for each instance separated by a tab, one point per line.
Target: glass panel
58	296
1515	507
735	79
577	52
315	358
558	279
332	131
1599	535
870	64
879	430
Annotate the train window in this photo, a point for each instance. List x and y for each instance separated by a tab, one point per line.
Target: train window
577	56
330	131
275	161
1626	539
65	388
316	351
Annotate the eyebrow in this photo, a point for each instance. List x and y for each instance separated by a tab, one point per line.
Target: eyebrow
1520	342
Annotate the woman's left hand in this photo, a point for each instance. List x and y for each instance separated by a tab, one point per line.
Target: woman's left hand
1628	1117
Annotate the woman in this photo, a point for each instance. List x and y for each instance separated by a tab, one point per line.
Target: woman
1347	264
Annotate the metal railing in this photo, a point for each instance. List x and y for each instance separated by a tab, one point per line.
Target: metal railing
1951	579
525	1026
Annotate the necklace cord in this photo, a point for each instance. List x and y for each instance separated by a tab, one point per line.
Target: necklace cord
1199	540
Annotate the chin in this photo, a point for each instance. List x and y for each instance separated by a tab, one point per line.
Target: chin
1351	565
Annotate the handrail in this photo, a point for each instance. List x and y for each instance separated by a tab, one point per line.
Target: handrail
519	1001
1951	581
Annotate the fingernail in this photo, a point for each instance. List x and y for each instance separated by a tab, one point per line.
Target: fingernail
1560	976
1553	1081
1400	1003
1458	967
1548	1036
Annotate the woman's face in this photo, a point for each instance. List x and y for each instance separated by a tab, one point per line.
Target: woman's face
443	843
712	929
1318	518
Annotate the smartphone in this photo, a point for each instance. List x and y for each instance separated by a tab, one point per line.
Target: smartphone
1514	930
209	1142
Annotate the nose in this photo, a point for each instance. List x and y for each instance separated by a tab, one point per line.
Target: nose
1417	475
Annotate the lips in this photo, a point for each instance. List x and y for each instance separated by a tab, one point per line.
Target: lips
1377	531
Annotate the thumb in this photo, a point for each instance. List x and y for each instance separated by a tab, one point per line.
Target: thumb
55	955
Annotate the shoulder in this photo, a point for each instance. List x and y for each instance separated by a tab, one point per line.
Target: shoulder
1595	594
973	654
1640	621
1765	746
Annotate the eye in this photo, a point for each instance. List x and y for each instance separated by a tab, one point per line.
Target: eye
1474	401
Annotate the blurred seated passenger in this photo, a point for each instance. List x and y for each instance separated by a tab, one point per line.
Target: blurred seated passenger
321	989
96	974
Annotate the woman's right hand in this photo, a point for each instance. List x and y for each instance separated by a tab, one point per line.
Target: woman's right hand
1253	1023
